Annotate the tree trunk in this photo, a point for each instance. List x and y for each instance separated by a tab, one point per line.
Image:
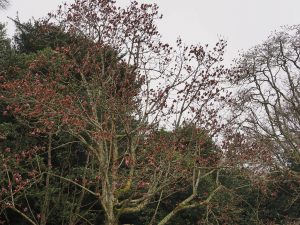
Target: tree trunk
111	217
111	221
45	206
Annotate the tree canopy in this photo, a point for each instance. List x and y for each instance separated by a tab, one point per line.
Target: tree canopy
101	122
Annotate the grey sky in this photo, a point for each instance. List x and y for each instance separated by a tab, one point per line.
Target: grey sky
243	23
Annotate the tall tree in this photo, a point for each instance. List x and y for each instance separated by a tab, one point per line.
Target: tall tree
268	97
266	116
111	90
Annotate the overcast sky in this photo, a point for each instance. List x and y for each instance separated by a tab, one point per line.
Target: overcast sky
243	23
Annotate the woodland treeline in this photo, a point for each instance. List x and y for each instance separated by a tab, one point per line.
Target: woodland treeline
101	122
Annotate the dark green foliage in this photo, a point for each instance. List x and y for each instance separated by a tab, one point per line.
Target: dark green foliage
34	36
4	41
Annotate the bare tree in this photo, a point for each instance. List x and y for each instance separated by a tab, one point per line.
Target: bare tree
267	106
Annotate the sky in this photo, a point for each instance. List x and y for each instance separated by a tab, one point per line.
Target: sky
243	23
